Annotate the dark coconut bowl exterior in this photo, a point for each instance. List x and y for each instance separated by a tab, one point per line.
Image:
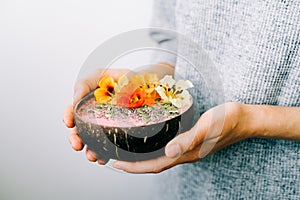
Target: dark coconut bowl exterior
131	143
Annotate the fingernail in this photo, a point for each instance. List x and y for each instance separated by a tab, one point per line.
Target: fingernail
173	151
101	162
92	154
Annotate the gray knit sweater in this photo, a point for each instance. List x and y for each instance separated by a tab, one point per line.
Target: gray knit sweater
255	47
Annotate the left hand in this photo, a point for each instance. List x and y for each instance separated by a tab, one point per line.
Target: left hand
217	128
84	85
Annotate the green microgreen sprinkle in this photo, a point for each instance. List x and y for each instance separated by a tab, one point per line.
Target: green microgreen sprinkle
146	118
99	106
140	111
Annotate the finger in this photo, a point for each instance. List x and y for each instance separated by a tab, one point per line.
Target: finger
101	158
75	140
116	73
206	128
208	147
149	166
101	162
68	117
83	87
184	142
159	164
90	155
205	149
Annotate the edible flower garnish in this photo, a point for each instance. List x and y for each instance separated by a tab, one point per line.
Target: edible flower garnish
139	91
105	92
142	90
174	93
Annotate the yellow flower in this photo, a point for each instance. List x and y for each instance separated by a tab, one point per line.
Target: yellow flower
105	92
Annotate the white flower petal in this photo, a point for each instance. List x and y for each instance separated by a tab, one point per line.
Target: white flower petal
167	81
162	94
177	102
184	84
182	99
186	95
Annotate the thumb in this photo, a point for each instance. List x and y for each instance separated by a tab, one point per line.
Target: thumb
184	142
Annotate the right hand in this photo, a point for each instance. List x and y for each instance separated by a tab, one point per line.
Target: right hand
83	87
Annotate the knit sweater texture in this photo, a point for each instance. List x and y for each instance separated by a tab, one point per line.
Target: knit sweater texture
254	46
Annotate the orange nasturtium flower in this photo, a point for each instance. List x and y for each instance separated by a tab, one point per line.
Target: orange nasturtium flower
105	92
137	99
147	84
123	97
133	93
133	97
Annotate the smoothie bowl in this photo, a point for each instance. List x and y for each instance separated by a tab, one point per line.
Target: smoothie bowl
133	119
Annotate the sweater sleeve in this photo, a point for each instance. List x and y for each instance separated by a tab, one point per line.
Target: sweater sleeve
162	31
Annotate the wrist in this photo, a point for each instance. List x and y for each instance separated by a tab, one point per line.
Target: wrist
267	121
250	120
240	120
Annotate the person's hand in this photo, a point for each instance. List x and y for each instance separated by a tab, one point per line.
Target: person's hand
83	87
216	129
219	127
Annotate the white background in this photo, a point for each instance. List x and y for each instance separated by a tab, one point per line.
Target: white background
42	47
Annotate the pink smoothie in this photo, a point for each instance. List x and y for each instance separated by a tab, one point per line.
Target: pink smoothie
116	116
